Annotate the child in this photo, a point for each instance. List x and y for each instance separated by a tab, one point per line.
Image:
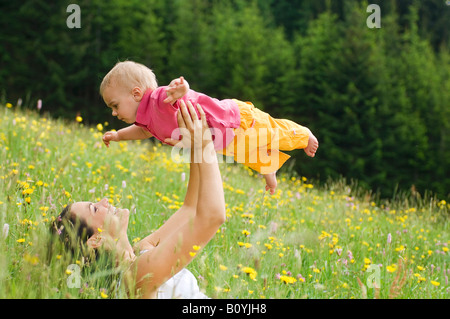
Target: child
240	130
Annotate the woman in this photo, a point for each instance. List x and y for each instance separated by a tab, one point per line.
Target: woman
164	253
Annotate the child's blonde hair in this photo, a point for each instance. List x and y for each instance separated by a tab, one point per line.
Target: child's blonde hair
129	74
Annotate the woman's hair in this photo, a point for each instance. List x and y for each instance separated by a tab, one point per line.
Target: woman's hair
129	74
69	235
71	231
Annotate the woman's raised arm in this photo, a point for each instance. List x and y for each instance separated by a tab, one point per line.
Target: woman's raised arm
176	250
182	216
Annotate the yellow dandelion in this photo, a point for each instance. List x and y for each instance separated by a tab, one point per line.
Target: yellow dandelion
245	232
44	208
222	267
250	272
195	247
33	260
435	283
391	268
21	240
9	105
288	280
246	245
79	119
323	235
28	191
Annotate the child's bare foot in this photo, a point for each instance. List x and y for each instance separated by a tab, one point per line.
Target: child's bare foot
271	182
313	145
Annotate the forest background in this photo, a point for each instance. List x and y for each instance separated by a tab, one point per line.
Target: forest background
376	98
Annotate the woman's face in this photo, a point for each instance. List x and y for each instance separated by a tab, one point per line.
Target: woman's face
103	217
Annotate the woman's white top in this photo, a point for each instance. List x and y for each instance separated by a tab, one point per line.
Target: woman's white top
183	285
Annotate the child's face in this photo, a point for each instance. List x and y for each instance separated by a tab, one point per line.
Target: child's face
123	103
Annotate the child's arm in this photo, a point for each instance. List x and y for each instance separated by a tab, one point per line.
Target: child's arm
132	132
176	90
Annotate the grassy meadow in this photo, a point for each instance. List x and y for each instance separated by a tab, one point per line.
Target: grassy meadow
303	242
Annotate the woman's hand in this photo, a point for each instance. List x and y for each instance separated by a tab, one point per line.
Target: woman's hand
194	131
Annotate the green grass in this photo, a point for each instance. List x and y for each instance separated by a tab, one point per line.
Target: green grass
294	244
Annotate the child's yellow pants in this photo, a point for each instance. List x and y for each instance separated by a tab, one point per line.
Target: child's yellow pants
260	137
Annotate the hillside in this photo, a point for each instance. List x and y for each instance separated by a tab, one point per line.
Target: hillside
303	242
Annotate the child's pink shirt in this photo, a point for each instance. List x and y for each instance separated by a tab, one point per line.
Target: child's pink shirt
160	118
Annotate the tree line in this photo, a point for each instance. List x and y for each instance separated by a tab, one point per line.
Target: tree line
377	99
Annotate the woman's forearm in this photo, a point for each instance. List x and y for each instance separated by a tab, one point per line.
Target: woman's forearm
191	198
181	216
210	202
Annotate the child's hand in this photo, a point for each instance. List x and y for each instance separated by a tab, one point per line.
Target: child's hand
176	90
110	136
